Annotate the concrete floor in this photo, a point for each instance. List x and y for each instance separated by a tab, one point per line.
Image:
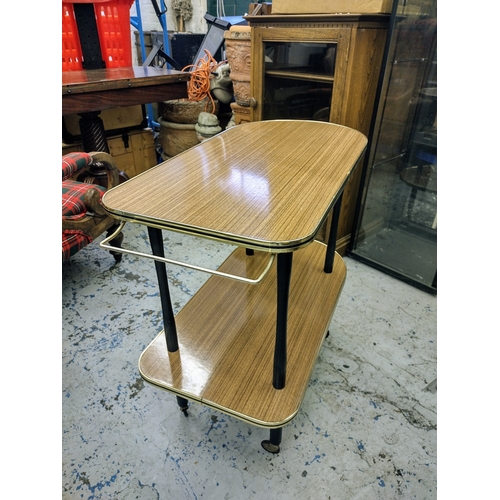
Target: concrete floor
366	428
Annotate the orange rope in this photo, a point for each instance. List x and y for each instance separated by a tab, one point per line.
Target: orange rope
201	74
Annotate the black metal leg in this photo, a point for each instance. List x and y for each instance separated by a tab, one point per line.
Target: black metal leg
249	251
284	275
332	237
183	405
273	444
156	239
116	242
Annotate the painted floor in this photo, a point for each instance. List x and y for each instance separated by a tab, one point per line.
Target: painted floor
366	428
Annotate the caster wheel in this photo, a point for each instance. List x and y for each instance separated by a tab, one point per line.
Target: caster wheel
183	405
270	447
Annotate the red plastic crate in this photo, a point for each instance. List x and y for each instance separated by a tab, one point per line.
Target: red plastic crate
71	49
113	26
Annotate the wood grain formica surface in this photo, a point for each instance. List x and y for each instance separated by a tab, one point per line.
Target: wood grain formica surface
267	185
225	356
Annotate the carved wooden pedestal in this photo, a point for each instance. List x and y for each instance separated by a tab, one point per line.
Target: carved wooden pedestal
238	48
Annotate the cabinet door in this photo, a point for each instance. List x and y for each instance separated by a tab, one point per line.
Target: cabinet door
294	72
323	67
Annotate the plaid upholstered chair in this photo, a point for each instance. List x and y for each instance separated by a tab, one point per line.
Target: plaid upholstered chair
83	217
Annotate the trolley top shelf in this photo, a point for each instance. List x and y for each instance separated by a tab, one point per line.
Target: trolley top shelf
259	185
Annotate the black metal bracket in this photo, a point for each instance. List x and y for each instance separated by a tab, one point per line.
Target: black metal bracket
157	9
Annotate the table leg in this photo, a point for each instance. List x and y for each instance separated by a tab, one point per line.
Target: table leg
170	330
332	238
273	444
94	139
284	275
156	240
93	132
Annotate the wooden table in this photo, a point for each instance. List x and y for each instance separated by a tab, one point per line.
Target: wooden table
246	344
98	89
89	92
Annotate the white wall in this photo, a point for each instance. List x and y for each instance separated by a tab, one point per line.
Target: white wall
197	24
150	21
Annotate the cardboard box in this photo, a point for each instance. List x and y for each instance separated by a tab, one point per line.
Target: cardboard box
331	6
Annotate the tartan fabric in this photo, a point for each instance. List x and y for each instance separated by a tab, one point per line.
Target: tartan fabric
73	206
72	242
73	162
73	192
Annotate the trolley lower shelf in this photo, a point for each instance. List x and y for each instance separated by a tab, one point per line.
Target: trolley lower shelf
226	336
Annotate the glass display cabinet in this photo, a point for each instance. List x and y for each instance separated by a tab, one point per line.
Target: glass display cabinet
396	226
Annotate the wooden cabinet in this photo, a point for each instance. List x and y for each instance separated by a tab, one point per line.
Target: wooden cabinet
319	67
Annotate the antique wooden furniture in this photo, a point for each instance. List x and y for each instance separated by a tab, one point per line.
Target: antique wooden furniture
95	90
89	92
319	67
83	217
247	342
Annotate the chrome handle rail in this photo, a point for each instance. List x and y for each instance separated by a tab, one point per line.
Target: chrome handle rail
104	244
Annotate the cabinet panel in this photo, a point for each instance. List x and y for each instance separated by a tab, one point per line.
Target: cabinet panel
298	60
319	67
298	80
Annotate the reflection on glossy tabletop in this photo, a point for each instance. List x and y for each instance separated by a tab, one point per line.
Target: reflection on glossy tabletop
260	184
